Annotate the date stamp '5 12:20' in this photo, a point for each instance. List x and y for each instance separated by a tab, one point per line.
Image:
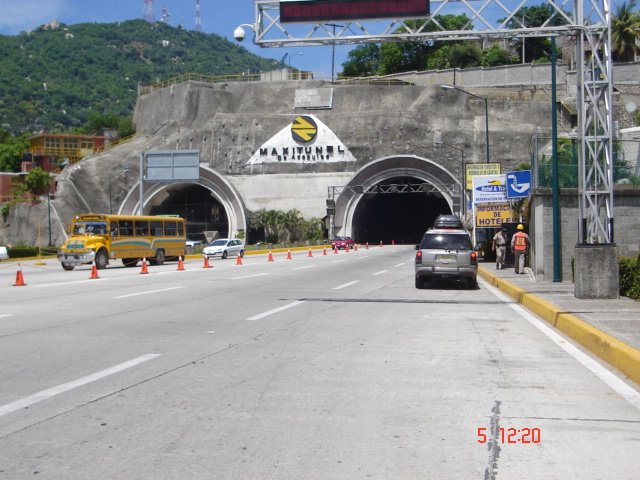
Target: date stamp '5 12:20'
524	435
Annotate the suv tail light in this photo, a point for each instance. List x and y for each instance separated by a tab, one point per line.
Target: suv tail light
474	257
419	257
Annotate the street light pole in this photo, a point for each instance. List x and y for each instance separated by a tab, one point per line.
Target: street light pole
486	113
110	177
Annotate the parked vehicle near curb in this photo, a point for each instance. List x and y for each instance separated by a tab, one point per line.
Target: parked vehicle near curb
223	248
445	252
4	254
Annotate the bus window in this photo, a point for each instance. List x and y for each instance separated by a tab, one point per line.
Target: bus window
142	228
114	229
170	228
126	228
180	229
156	228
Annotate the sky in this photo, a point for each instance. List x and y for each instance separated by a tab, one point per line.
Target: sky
217	16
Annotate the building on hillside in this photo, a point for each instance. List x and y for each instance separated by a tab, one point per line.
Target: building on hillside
52	151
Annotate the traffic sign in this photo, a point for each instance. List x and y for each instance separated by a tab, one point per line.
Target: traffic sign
518	183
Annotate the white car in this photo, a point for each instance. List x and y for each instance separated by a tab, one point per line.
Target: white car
4	255
224	247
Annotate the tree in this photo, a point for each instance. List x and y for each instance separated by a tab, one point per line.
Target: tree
37	180
12	150
362	61
625	30
535	49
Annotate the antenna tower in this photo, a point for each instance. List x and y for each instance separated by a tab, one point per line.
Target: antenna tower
165	14
198	19
147	11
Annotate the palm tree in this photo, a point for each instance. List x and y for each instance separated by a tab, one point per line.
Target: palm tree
625	30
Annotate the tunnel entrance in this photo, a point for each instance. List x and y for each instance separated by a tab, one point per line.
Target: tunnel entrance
399	217
197	205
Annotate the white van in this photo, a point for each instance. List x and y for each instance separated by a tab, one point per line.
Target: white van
4	255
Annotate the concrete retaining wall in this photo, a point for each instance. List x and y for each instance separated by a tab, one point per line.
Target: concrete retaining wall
626	228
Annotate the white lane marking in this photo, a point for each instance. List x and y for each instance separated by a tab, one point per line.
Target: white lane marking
398	265
338	261
626	391
276	310
5	315
249	276
149	292
65	387
68	283
360	258
302	268
345	285
380	272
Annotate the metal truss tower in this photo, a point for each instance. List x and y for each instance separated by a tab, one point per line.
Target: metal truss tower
587	22
198	26
147	11
165	14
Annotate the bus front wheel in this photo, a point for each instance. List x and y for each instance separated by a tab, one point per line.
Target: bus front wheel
102	259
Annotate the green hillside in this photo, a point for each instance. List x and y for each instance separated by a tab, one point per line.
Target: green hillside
53	79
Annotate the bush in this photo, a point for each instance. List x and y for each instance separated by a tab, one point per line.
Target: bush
630	277
22	251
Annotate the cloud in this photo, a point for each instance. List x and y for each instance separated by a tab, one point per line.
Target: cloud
24	15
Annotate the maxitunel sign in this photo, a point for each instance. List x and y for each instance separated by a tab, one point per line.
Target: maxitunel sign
305	140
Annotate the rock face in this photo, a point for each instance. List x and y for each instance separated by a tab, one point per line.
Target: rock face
230	123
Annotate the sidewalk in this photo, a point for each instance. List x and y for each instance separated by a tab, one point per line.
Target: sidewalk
608	328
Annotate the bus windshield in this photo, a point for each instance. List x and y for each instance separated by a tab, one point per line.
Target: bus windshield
90	228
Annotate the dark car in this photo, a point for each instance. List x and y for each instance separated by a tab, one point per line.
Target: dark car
342	242
446	252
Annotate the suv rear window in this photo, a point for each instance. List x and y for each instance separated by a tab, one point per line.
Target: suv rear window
446	241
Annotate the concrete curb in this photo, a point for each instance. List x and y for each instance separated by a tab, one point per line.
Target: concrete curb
613	351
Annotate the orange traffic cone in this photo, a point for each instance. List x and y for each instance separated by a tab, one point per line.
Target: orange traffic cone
289	257
206	262
270	257
324	251
335	250
393	242
180	263
144	266
366	246
355	247
19	278
238	260
94	272
380	242
310	254
346	249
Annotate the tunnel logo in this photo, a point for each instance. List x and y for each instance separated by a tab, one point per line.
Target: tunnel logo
304	129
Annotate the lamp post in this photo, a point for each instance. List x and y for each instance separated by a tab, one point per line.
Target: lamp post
110	177
486	112
463	187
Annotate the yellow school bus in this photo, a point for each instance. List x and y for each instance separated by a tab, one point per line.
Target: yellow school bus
103	237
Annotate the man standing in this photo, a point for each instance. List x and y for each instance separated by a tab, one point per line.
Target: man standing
519	245
499	245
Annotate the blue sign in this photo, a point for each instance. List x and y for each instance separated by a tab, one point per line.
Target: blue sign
518	183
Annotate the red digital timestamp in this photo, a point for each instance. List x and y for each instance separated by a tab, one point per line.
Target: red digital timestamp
512	435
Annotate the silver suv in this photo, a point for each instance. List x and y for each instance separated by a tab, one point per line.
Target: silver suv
446	252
